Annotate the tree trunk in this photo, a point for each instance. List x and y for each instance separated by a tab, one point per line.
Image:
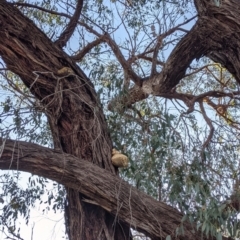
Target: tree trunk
104	189
74	113
76	118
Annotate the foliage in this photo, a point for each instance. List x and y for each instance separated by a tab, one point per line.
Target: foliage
186	157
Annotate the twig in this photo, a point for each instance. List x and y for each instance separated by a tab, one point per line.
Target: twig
209	123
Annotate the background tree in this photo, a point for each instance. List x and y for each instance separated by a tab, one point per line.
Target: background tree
157	84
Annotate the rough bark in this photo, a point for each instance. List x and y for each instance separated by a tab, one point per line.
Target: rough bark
102	188
71	104
79	128
216	35
220	32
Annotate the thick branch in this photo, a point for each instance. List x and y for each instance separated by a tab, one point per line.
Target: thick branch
173	71
67	33
220	32
71	102
216	35
138	210
159	43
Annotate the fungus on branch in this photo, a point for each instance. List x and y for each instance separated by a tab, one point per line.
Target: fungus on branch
118	159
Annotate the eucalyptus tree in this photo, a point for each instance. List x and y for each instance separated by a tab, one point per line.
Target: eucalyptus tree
108	74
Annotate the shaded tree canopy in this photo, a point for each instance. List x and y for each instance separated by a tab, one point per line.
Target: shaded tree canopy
158	81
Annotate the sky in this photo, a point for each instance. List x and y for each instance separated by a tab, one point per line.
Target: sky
50	225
